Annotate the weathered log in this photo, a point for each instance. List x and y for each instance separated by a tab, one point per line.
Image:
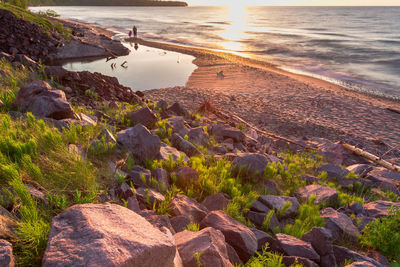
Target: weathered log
376	159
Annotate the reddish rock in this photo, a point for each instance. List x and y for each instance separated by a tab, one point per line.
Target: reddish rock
340	225
293	260
179	223
177	109
360	169
149	197
321	240
42	100
216	202
251	163
6	254
143	116
240	237
323	194
166	151
186	175
209	242
106	235
183	145
342	254
385	173
198	136
223	132
334	171
188	207
379	208
292	246
278	202
139	176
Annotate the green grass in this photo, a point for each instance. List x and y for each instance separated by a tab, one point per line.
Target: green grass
192	227
266	258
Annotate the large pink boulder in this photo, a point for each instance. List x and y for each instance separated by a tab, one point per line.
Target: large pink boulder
106	235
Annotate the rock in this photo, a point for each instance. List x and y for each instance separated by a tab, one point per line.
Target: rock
166	151
278	202
133	204
27	61
143	116
373	254
332	152
55	72
379	208
361	221
88	120
184	145
295	247
179	223
334	171
124	191
161	177
321	240
36	194
188	207
252	163
309	179
360	169
107	136
148	197
139	176
263	238
6	254
216	202
340	225
361	264
240	237
271	186
163	105
209	242
177	109
106	235
293	260
384	183
6	56
323	194
342	254
178	125
233	256
198	136
259	207
223	132
1	104
42	100
385	173
257	218
140	142
161	222
186	175
7	224
357	208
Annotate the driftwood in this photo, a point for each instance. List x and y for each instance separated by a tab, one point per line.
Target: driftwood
372	157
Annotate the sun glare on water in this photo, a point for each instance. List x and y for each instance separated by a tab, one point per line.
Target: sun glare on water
235	32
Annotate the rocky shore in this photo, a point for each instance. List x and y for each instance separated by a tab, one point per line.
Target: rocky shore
93	174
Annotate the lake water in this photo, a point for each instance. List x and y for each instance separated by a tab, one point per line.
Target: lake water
358	47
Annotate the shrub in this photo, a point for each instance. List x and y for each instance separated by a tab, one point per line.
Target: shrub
383	234
192	227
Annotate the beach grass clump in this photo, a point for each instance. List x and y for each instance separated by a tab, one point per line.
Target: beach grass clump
192	227
383	234
268	258
308	218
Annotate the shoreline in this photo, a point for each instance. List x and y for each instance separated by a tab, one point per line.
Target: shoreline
282	102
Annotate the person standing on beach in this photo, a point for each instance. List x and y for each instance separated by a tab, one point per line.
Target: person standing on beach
130	34
134	31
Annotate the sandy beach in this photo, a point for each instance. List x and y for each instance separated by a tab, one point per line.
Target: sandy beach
284	103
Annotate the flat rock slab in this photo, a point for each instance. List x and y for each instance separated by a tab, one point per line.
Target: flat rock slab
239	236
278	202
323	194
209	242
293	246
340	225
379	208
188	207
385	173
106	235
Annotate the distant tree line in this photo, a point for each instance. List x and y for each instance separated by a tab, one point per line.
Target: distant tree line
103	3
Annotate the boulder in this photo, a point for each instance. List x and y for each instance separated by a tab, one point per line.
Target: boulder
186	175
278	202
106	235
257	218
293	260
133	204
6	254
161	222
143	116
321	240
27	61
177	109
162	104
42	100
233	256
178	125
379	208
342	254
124	191
309	179
240	237
252	163
209	242
183	145
385	173
323	194
222	132
179	223
340	225
293	246
166	151
258	206
216	202
385	184
107	136
140	142
139	176
357	208
148	196
332	152
333	171
373	254
198	136
188	207
265	239
360	169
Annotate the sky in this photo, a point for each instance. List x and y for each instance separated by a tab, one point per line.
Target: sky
295	2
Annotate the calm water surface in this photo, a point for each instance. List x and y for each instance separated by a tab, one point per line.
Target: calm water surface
358	47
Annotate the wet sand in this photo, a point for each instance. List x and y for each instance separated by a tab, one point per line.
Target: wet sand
285	103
